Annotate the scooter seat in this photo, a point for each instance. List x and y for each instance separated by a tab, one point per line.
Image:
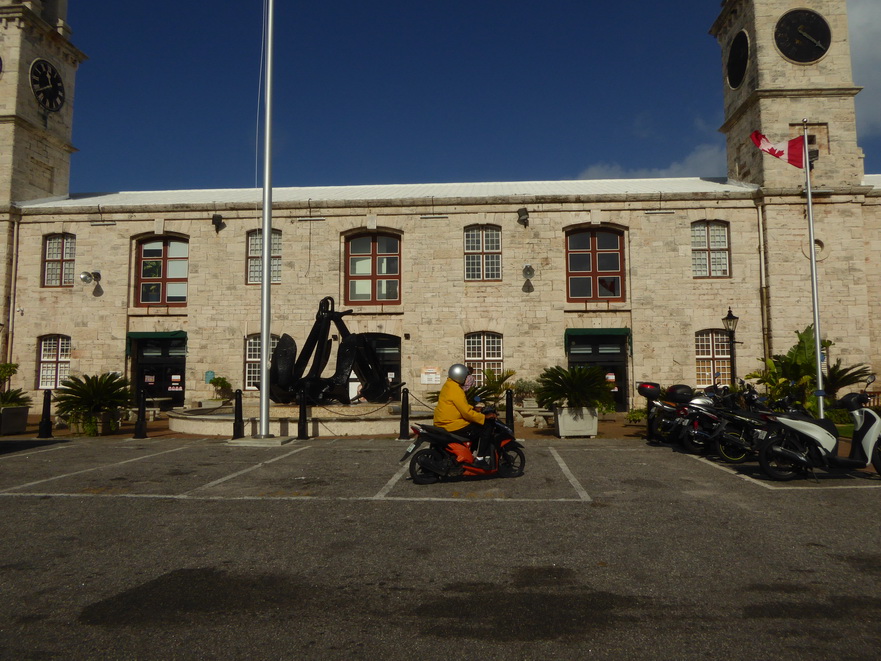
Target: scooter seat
440	431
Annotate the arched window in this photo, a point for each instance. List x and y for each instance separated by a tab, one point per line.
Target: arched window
710	249
255	257
162	271
483	351
595	265
59	252
252	359
712	352
483	252
54	360
373	269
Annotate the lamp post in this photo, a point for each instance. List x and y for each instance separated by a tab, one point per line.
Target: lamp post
730	323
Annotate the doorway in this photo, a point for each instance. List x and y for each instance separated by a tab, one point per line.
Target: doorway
606	348
159	366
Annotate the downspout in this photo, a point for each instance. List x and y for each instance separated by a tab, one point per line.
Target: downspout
764	294
13	290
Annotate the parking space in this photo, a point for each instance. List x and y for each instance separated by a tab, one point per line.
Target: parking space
365	469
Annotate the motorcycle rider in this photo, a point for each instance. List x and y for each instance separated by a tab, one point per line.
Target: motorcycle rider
454	414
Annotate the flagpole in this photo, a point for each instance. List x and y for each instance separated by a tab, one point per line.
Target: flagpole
815	297
265	284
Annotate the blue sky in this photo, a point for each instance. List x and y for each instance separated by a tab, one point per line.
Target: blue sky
397	91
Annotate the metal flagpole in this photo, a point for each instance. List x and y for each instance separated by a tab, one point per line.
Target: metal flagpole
265	297
815	296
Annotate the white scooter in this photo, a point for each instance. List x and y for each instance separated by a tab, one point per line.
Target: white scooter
804	443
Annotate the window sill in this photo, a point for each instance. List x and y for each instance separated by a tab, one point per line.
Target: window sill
158	311
598	306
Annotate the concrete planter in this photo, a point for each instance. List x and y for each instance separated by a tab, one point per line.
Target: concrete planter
576	422
13	419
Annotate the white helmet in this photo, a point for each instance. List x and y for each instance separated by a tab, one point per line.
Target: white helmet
458	373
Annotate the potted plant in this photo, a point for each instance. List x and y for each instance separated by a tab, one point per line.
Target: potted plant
574	396
524	393
93	403
14	404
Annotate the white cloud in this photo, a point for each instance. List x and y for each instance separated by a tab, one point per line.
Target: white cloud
707	160
864	17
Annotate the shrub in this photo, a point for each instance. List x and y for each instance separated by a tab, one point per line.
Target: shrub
576	388
84	400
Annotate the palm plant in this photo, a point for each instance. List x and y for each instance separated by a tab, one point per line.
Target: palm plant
838	377
579	387
86	400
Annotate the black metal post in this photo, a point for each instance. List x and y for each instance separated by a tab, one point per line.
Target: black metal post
509	408
141	422
303	422
45	430
731	344
404	431
238	423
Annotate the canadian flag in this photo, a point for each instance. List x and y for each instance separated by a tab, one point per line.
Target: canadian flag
792	151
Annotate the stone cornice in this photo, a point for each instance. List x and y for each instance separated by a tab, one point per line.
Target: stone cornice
805	92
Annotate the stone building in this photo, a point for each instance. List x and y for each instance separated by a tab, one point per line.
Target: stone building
631	275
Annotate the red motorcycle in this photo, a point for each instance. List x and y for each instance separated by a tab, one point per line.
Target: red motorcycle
450	455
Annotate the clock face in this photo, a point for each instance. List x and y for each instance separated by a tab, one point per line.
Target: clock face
738	58
803	36
47	85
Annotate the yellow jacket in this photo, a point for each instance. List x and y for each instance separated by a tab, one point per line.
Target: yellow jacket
453	410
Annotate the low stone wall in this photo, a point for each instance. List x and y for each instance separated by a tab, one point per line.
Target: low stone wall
322	421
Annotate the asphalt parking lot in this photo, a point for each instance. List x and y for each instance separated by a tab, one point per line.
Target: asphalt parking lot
191	548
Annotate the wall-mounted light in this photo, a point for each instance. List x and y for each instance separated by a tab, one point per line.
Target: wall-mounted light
217	221
528	272
523	216
90	276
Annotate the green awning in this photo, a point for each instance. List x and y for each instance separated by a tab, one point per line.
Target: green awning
595	331
152	335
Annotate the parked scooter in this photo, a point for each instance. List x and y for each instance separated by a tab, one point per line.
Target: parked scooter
805	443
450	455
743	427
666	419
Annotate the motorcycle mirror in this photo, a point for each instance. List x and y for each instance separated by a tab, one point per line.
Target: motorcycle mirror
870	380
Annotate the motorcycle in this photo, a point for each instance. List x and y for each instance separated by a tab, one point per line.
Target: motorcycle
805	443
450	455
743	428
666	420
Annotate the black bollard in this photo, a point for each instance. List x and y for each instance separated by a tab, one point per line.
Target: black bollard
509	409
141	422
404	432
238	423
302	423
45	430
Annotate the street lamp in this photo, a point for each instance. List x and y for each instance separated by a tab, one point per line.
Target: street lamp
730	323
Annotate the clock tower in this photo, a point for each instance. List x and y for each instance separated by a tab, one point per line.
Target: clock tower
784	61
37	68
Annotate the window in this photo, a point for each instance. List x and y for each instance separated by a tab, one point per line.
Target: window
373	270
595	265
255	257
712	354
252	360
483	351
163	267
59	251
483	252
54	360
710	252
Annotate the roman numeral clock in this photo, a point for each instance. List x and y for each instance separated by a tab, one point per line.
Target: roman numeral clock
47	86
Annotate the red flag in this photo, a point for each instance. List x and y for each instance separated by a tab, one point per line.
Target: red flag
792	151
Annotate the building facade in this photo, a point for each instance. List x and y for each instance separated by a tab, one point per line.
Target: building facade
631	275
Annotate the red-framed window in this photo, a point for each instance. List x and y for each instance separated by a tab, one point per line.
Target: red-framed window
483	253
373	269
59	253
162	272
54	360
595	265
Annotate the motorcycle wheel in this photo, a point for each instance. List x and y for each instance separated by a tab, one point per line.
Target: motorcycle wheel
778	467
418	472
656	429
691	440
511	462
729	451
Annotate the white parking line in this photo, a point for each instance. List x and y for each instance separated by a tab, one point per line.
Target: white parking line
89	470
246	470
392	482
778	486
569	476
